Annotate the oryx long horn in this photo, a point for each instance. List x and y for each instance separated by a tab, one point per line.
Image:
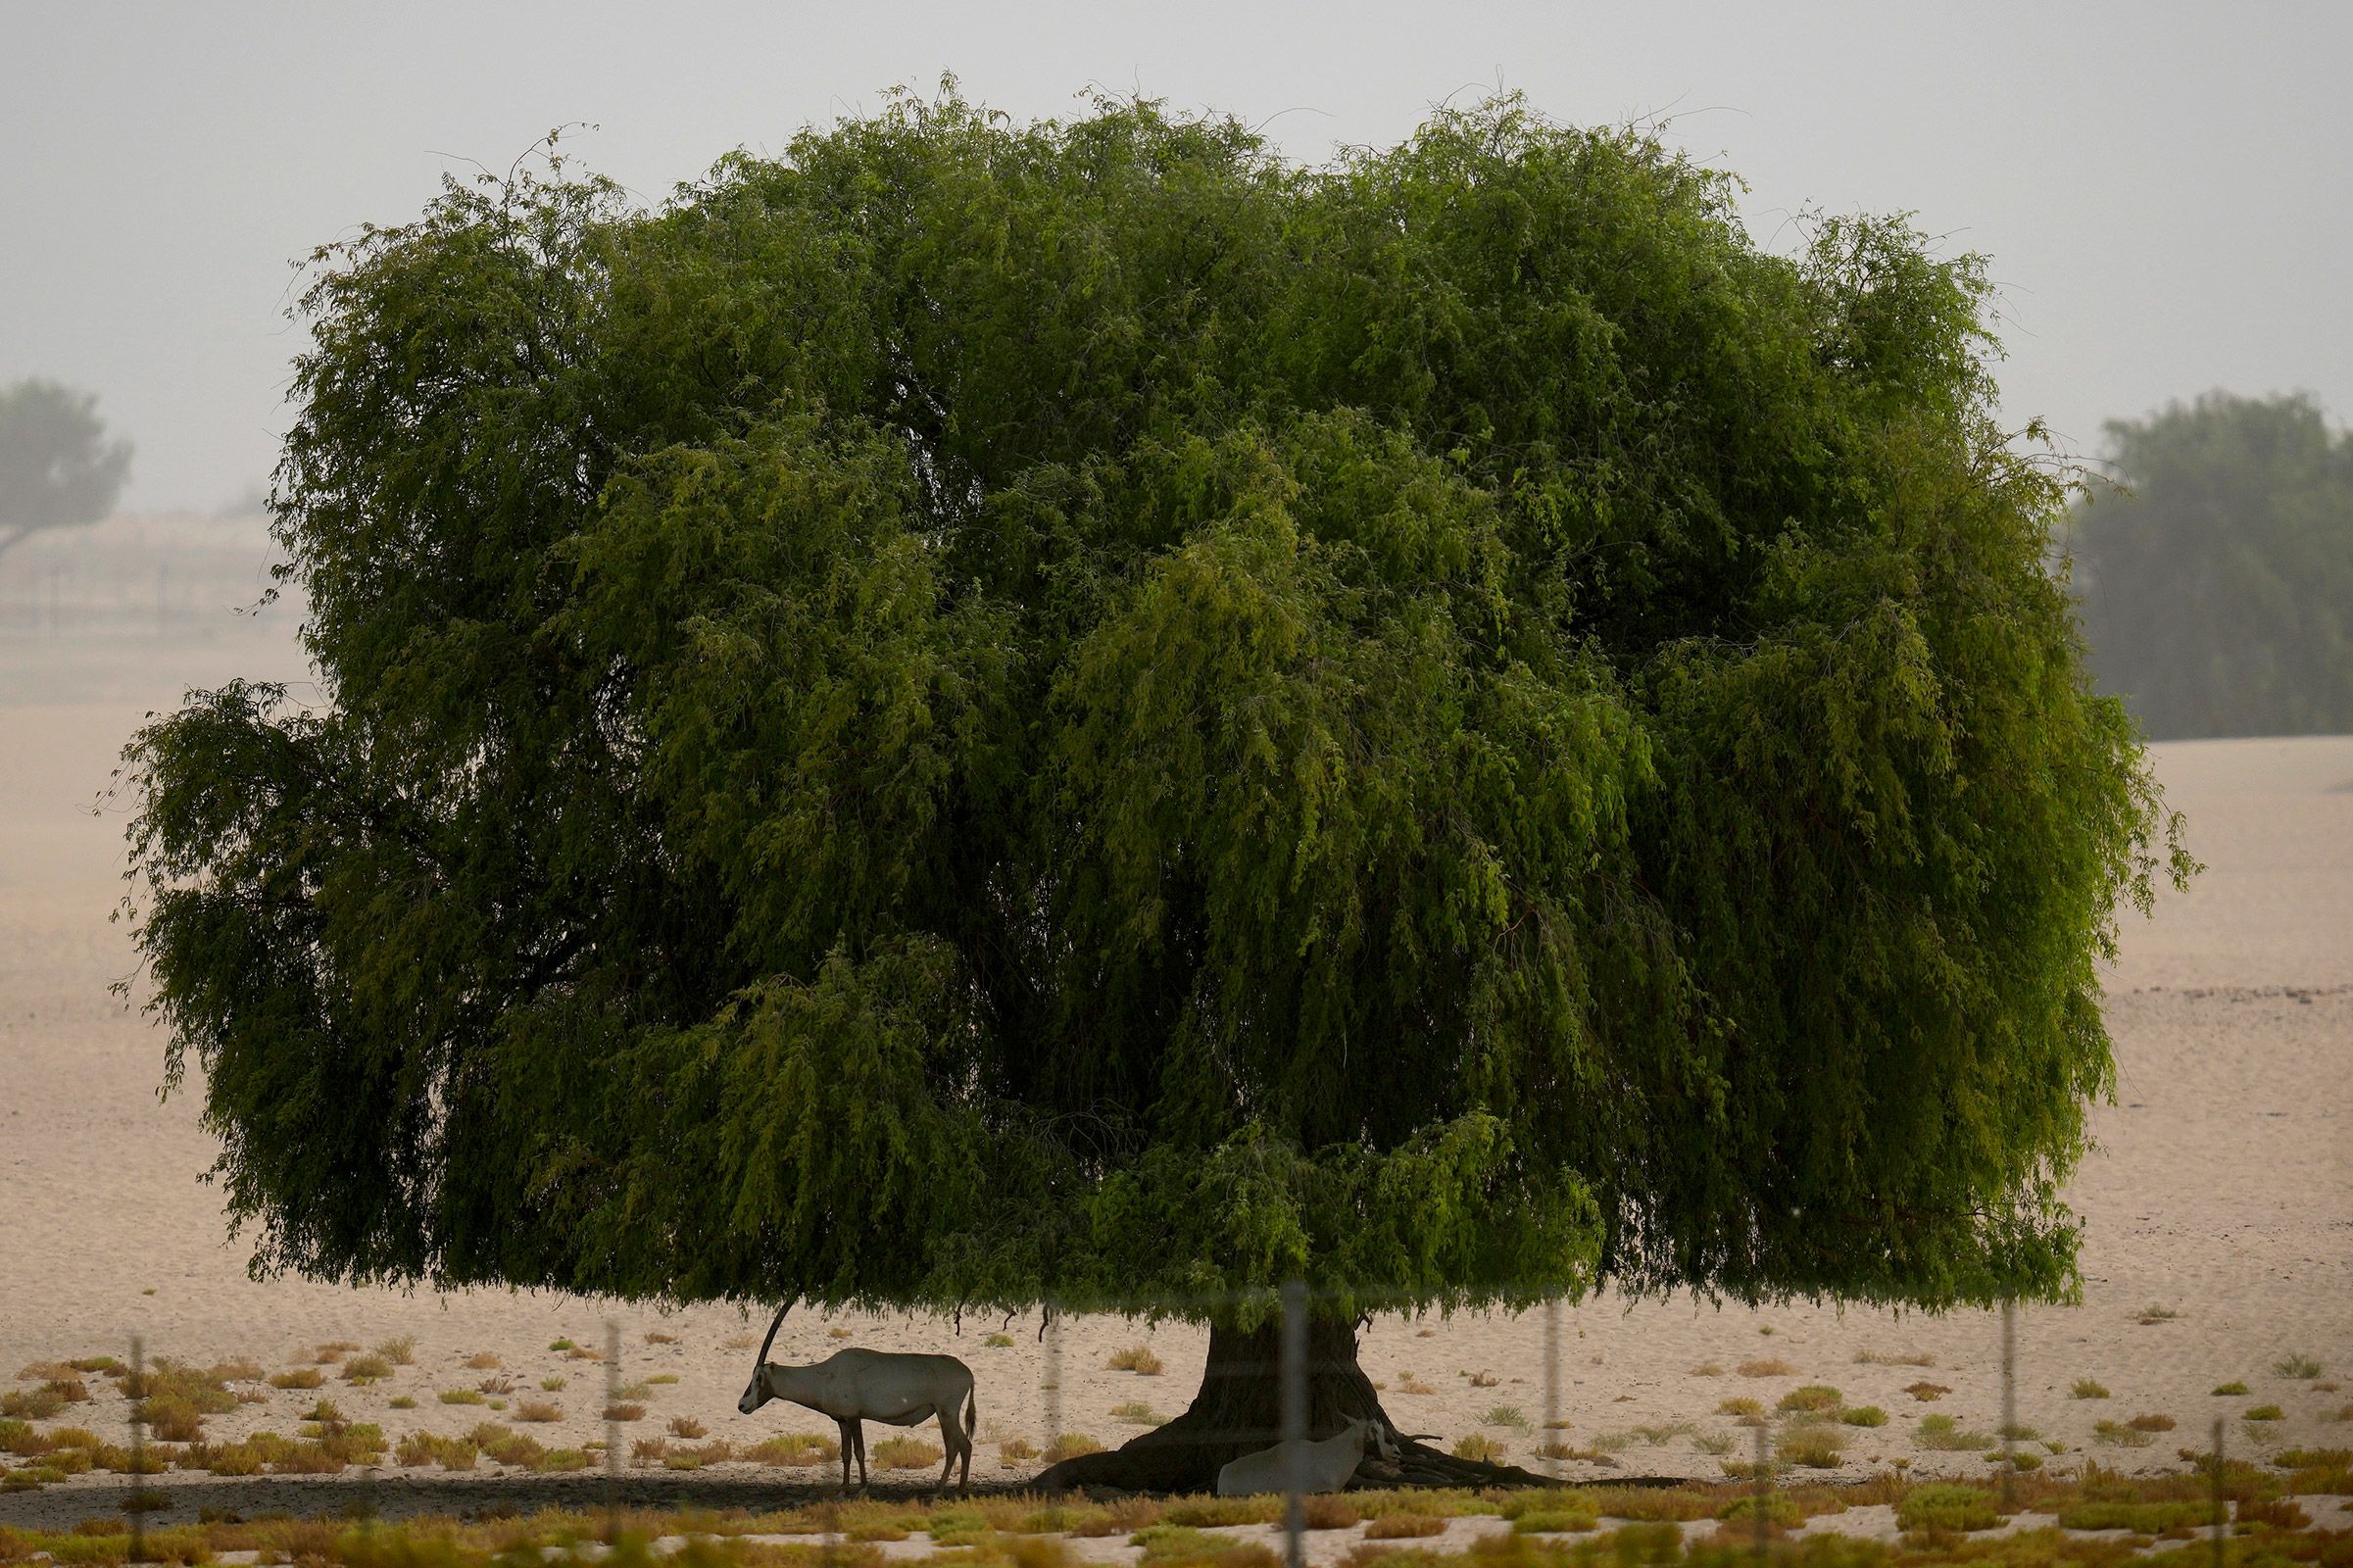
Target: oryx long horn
773	1326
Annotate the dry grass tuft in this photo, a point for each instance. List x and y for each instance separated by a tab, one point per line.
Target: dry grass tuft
687	1426
366	1369
1328	1511
464	1396
400	1350
1404	1527
659	1336
1768	1367
1868	1357
483	1361
626	1410
795	1448
1484	1379
905	1453
551	1384
1016	1451
2227	1390
1070	1446
1926	1391
538	1410
2151	1423
333	1350
739	1342
1135	1412
2153	1313
2088	1388
501	1384
1814	1397
836	1332
581	1353
2118	1434
2299	1367
1478	1446
1135	1358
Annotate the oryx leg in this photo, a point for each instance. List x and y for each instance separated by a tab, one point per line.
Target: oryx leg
954	1440
848	1446
857	1434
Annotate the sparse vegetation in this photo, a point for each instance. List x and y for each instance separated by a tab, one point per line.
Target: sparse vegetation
1947	1508
1869	1357
551	1384
2088	1388
1504	1415
661	1337
538	1410
997	1341
2297	1366
1484	1379
1927	1392
1070	1446
301	1377
1768	1367
1016	1451
2233	1387
2119	1434
483	1361
400	1350
561	1345
2153	1313
627	1410
1403	1527
2151	1423
1863	1415
1743	1408
687	1426
1816	1448
1479	1446
836	1332
1946	1433
496	1386
402	1401
1135	1358
2265	1412
464	1396
1708	1369
1712	1442
1136	1413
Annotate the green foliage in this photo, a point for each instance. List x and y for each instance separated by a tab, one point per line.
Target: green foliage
57	468
1947	1508
1143	720
2218	590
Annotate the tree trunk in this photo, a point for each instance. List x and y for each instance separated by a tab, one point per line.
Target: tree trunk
1239	1410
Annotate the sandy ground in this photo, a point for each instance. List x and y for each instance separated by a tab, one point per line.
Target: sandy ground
2222	1192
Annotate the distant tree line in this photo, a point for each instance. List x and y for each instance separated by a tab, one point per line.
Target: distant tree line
2216	584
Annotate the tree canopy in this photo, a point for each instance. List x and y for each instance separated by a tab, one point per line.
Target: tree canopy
982	713
2218	586
57	467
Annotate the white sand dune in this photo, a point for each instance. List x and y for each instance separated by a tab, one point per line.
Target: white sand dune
2222	1192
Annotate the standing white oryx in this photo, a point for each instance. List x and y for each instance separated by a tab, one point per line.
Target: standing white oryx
858	1386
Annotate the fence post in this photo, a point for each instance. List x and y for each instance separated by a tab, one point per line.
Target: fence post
2221	1506
2009	1399
139	1393
1763	1503
613	1432
1551	1441
1295	1420
1054	1376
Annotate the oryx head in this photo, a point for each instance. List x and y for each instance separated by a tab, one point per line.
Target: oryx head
757	1392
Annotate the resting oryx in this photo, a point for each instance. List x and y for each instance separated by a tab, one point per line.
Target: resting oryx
857	1386
1324	1465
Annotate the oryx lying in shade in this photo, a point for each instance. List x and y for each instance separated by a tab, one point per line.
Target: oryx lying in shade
1324	1465
860	1386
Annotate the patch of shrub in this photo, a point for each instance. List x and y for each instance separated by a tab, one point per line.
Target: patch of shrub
2266	1412
2142	1518
686	1426
1947	1508
1135	1413
1742	1406
1924	1391
624	1411
1863	1415
1478	1446
463	1397
1135	1358
1504	1415
2151	1423
999	1341
1325	1510
658	1337
2297	1366
2227	1390
2088	1388
1556	1515
483	1361
1070	1446
1016	1451
538	1410
1768	1367
1884	1358
1814	1397
402	1401
400	1350
794	1450
2117	1435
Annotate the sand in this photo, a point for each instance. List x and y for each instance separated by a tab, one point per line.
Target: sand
2220	1194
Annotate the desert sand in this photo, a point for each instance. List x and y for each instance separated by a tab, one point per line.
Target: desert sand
2221	1195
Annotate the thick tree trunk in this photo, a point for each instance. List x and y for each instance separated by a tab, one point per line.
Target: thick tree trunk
1239	1410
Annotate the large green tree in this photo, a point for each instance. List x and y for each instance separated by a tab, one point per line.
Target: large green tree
57	467
2218	585
980	714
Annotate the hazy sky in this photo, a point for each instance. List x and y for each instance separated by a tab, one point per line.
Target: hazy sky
2166	190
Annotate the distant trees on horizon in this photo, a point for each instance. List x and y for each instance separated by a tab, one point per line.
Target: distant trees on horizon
2216	585
57	467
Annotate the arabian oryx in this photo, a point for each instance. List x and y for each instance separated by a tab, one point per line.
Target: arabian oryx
858	1386
1324	1465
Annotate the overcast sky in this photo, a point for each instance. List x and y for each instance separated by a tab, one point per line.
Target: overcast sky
2166	191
